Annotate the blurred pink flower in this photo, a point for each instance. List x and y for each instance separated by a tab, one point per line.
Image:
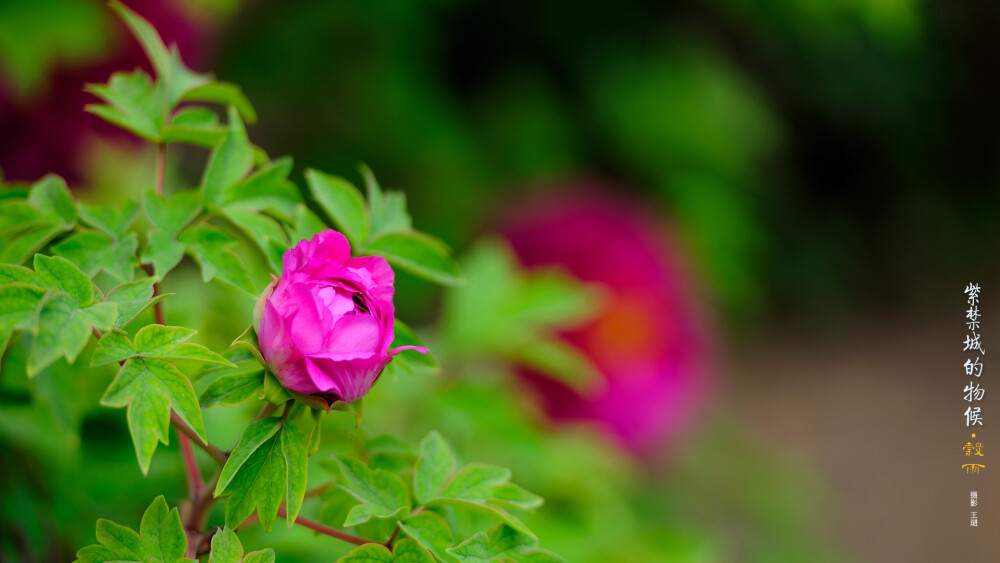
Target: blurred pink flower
648	342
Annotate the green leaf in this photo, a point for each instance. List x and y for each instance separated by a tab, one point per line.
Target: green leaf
404	336
432	532
388	210
150	388
182	79
307	224
368	553
267	468
434	466
173	215
343	203
500	541
133	103
382	494
296	452
230	162
64	329
273	391
17	215
94	251
114	346
19	306
147	36
161	538
158	341
222	93
233	389
59	273
475	482
405	551
195	125
513	496
419	254
29	242
112	221
163	252
133	298
248	341
53	199
539	556
10	273
212	249
226	547
267	188
562	362
262	230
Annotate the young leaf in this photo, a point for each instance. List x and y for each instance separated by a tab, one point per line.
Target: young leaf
150	388
232	389
475	482
212	249
161	538
382	494
59	273
267	188
197	126
417	253
226	548
134	298
53	199
267	468
29	242
368	553
163	251
405	551
158	341
9	273
307	224
112	221
432	532
499	542
434	466
147	36
388	210
343	203
173	215
64	329
133	103
114	346
222	93
19	304
231	160
93	251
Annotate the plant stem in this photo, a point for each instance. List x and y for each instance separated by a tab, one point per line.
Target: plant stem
161	166
195	482
216	454
392	538
326	530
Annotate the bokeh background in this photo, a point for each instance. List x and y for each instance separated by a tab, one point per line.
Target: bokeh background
794	193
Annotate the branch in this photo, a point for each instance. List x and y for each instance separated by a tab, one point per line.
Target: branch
161	165
215	453
195	482
326	530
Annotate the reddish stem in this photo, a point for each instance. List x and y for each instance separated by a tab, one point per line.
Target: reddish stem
326	530
195	482
161	165
216	454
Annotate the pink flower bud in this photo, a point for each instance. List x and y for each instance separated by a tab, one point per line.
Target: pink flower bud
326	325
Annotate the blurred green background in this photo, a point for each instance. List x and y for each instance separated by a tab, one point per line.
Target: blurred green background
824	166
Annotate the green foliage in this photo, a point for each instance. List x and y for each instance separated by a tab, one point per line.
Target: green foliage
267	468
161	538
86	279
382	226
516	315
226	548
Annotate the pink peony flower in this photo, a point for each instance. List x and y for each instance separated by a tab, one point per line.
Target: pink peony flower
648	341
325	326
